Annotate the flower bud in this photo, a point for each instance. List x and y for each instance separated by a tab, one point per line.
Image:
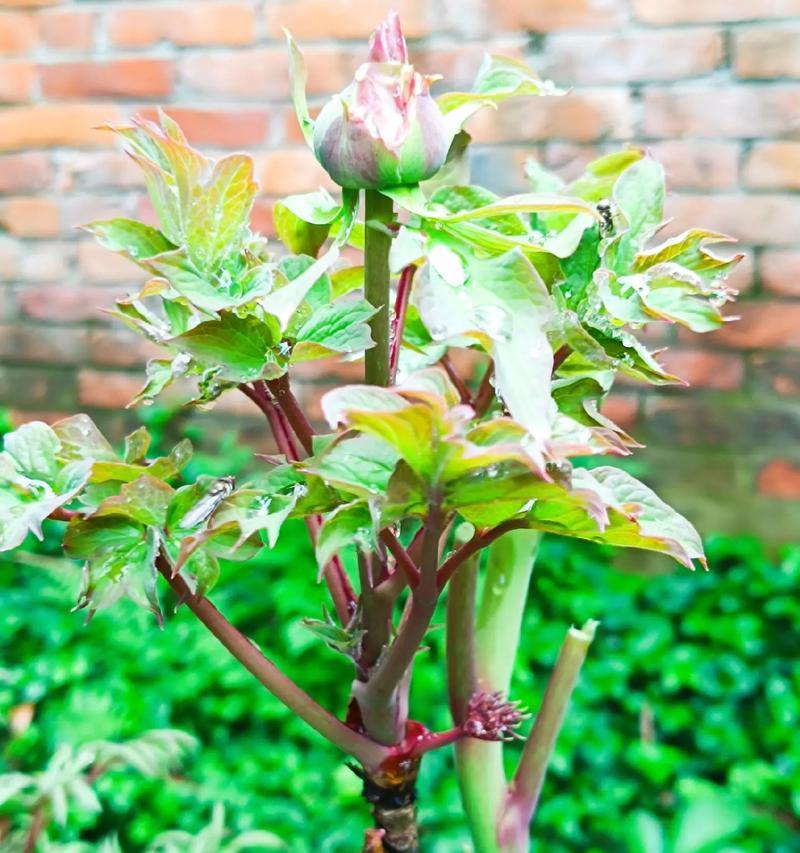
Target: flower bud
384	129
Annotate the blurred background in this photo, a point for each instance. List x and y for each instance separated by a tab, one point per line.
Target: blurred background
692	688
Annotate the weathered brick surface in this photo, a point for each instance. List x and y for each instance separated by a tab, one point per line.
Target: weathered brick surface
711	87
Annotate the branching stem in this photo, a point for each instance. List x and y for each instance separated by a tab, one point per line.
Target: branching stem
280	685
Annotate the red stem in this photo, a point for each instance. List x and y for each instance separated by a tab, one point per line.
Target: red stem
399	319
560	356
478	542
485	394
282	392
461	386
279	684
404	561
342	593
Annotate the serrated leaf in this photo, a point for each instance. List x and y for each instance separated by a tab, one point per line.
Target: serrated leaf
33	448
499	78
135	240
284	301
350	524
144	500
361	465
297	86
80	438
243	347
338	327
137	444
119	557
218	214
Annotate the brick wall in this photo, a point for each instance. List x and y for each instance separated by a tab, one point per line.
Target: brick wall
711	86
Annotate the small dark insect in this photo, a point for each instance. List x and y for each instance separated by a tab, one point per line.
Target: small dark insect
606	212
203	509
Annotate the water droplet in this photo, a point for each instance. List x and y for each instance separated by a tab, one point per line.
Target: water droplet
495	321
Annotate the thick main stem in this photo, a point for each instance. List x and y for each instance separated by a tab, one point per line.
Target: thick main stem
529	777
378	213
494	638
370	754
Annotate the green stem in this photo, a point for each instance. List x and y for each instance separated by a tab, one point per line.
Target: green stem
529	777
378	211
491	640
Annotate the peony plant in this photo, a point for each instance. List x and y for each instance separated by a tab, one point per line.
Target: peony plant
491	329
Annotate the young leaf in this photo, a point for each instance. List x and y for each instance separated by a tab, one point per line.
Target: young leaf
338	327
135	240
242	346
297	83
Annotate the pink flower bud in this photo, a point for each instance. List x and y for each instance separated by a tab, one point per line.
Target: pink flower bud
384	129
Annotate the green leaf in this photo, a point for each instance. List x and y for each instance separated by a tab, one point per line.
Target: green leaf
284	301
216	220
128	237
144	500
644	834
177	269
338	327
690	250
708	821
137	444
598	180
361	465
243	347
637	517
350	524
298	236
499	78
297	83
119	557
33	448
639	196
81	439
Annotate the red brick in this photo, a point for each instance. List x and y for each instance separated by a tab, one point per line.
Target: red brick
459	65
780	272
261	216
107	390
24	172
699	11
79	208
546	15
580	116
291	170
29	216
780	479
183	24
226	128
698	164
765	219
600	58
263	73
34	344
97	264
17	80
65	304
772	51
122	78
705	369
68	30
345	19
742	279
46	261
96	169
9	259
120	347
28	4
773	165
49	125
17	33
733	111
763	325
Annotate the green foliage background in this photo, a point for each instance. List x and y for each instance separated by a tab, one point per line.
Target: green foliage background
708	662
